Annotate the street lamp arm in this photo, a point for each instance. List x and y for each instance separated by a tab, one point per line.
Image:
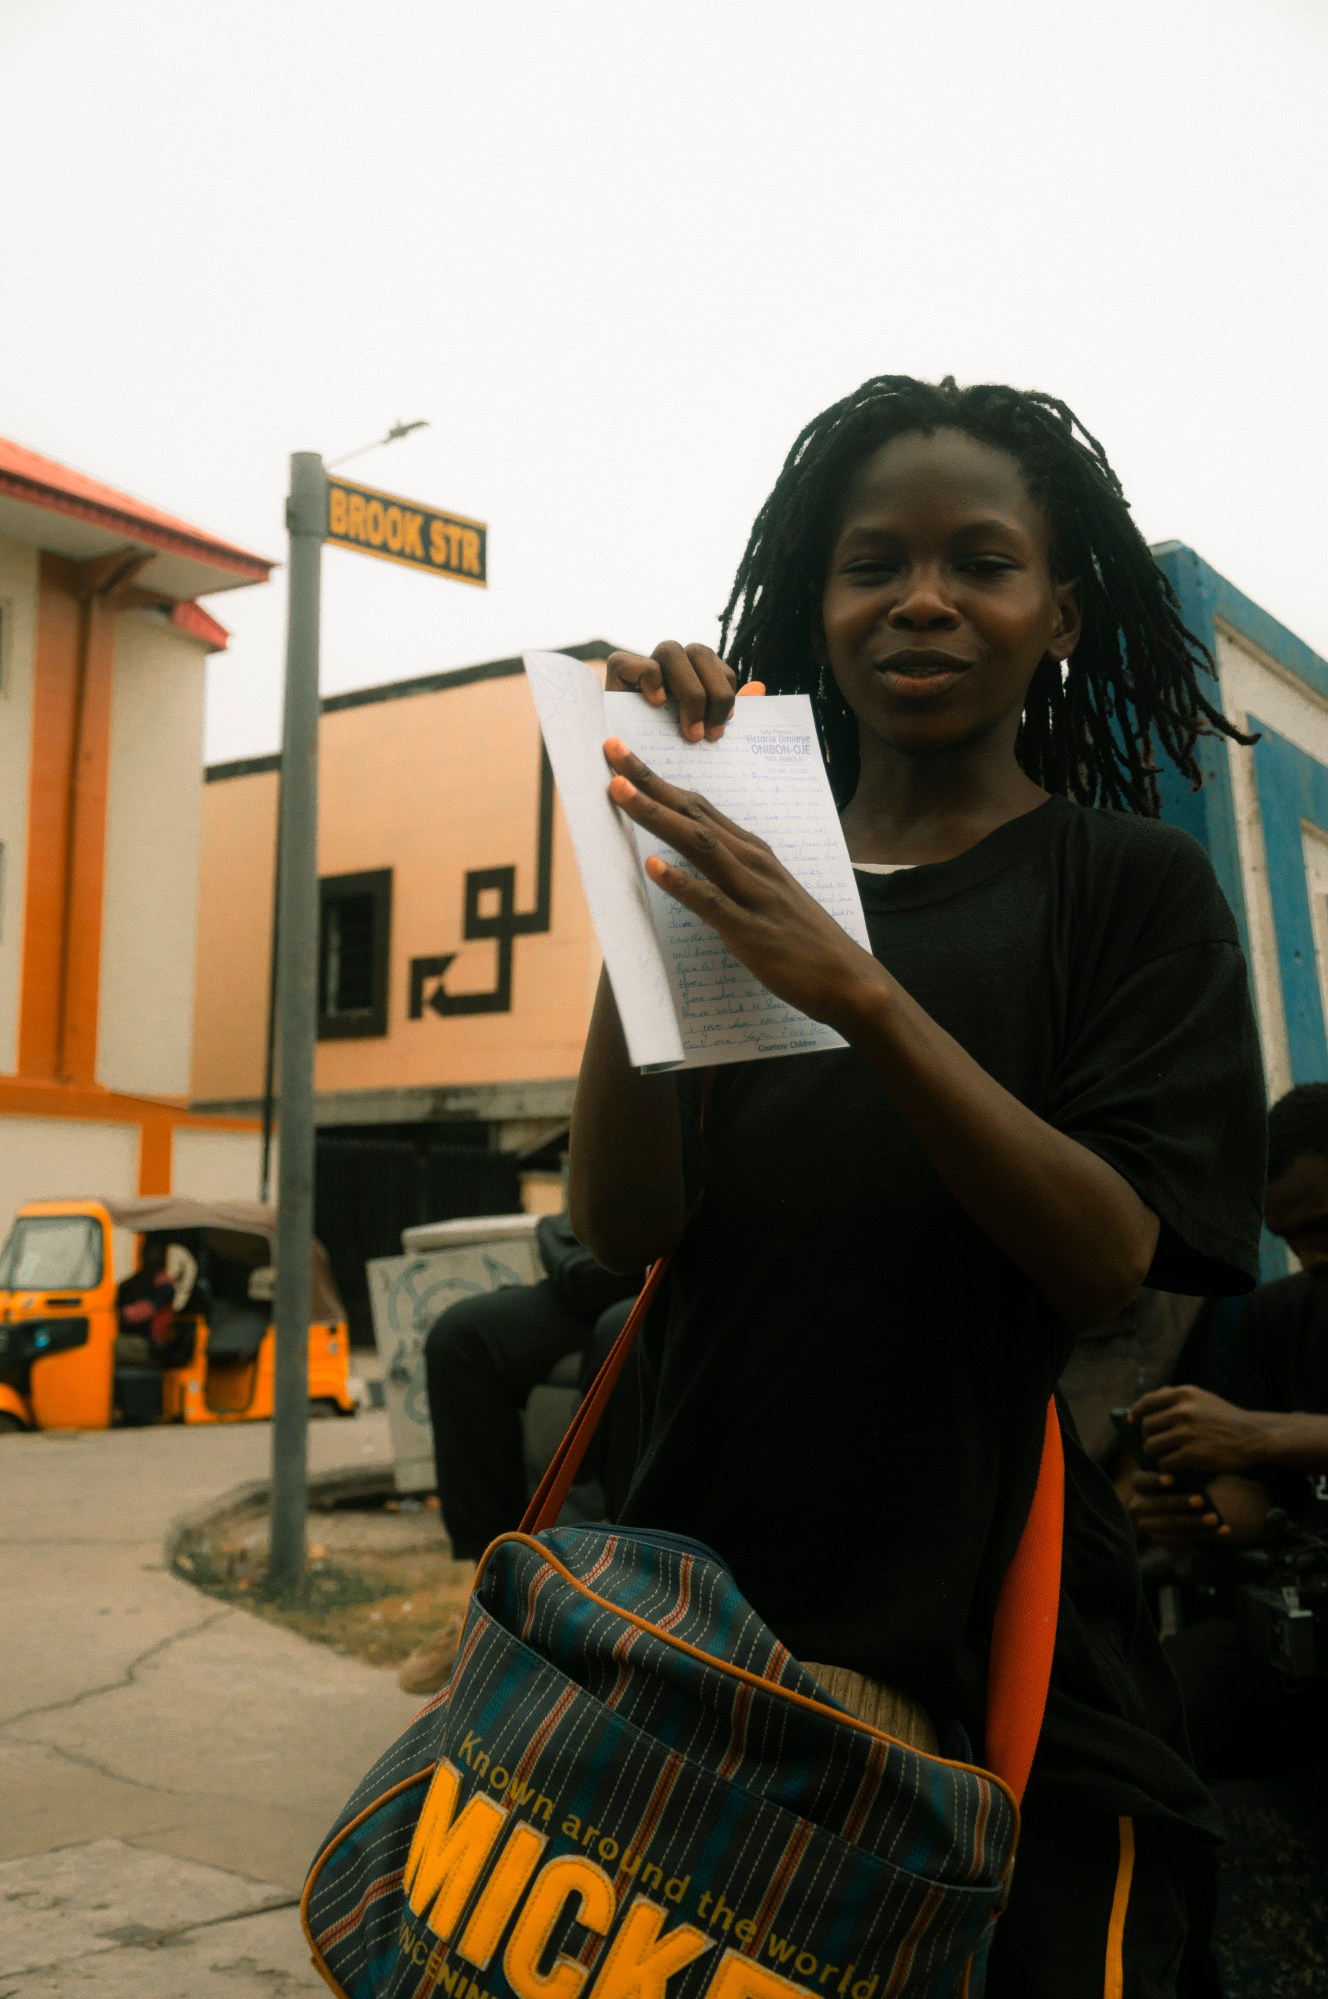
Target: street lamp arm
398	429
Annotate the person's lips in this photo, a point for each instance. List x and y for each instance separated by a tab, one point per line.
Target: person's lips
921	672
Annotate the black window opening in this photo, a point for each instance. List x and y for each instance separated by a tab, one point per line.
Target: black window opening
354	934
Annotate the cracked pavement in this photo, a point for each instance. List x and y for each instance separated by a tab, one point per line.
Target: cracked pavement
167	1761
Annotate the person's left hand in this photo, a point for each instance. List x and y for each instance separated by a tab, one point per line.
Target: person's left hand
1171	1519
1189	1429
766	918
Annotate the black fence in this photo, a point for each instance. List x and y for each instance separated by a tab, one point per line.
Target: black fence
370	1184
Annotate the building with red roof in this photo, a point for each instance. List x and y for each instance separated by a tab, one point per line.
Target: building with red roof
103	648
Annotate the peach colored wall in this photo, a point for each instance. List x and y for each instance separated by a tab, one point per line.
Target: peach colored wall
234	937
429	785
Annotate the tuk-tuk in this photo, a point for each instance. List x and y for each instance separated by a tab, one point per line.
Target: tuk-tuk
59	1319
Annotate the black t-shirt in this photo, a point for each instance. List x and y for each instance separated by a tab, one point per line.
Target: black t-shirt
1281	1363
848	1386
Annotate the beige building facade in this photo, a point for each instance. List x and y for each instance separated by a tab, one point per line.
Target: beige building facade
457	962
457	959
103	653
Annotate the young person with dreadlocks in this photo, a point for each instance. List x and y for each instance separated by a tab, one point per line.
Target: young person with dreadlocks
1050	1093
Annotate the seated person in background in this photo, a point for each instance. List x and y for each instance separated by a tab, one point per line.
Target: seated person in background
1113	1364
1266	1446
482	1358
147	1302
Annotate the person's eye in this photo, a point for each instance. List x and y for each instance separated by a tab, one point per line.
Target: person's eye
869	568
988	565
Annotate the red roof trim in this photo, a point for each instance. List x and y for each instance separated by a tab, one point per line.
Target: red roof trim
41	482
199	624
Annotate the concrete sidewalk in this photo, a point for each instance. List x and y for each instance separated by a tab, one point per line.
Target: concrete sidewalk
168	1764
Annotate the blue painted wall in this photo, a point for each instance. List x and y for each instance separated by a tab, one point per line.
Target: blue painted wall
1292	788
1291	784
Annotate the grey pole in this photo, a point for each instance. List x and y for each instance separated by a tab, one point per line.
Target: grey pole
297	979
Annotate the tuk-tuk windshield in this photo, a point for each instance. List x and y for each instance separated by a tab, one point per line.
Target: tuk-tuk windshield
52	1253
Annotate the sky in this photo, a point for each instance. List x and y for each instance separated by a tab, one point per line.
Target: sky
617	254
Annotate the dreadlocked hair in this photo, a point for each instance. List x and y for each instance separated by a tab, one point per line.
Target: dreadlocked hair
1092	729
1297	1123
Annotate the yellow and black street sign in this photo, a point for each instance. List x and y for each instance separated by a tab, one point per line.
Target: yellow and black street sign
400	530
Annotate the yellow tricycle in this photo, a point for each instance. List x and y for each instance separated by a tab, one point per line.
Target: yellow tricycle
66	1362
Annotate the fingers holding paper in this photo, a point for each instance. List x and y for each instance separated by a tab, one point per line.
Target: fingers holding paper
745	893
695	677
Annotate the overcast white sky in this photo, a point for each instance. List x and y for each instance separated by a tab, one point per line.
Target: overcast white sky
618	253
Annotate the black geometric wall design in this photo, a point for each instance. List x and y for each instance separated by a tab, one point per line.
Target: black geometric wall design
428	976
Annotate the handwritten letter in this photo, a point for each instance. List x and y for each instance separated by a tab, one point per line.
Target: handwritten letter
685	1000
766	774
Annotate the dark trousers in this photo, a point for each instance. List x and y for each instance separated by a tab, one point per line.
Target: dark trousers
482	1359
1244	1719
1097	1906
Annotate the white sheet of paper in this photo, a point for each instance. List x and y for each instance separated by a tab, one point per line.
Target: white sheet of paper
767	774
570	702
684	999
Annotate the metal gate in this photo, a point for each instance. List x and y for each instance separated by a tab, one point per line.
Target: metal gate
369	1186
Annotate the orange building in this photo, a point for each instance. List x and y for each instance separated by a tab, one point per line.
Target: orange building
457	963
102	665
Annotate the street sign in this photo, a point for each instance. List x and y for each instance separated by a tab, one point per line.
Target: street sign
397	530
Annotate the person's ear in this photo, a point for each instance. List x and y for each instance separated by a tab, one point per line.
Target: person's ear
1069	619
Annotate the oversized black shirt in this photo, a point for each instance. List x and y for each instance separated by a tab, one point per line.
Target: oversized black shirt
847	1390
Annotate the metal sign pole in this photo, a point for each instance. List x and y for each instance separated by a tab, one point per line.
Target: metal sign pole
297	982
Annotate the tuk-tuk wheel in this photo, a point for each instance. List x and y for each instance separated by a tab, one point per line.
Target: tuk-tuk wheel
10	1425
324	1407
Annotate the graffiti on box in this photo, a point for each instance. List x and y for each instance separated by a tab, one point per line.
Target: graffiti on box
406	1295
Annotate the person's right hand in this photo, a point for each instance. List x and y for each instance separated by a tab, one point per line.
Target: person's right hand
1186	1428
694	676
1174	1519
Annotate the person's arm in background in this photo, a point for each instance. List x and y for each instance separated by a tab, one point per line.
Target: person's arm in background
1190	1432
583	1285
1190	1429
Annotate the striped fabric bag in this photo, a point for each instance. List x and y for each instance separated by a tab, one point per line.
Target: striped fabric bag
629	1789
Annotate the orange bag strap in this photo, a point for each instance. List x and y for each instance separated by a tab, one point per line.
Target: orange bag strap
560	1477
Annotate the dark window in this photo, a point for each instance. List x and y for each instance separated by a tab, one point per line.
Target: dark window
354	932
